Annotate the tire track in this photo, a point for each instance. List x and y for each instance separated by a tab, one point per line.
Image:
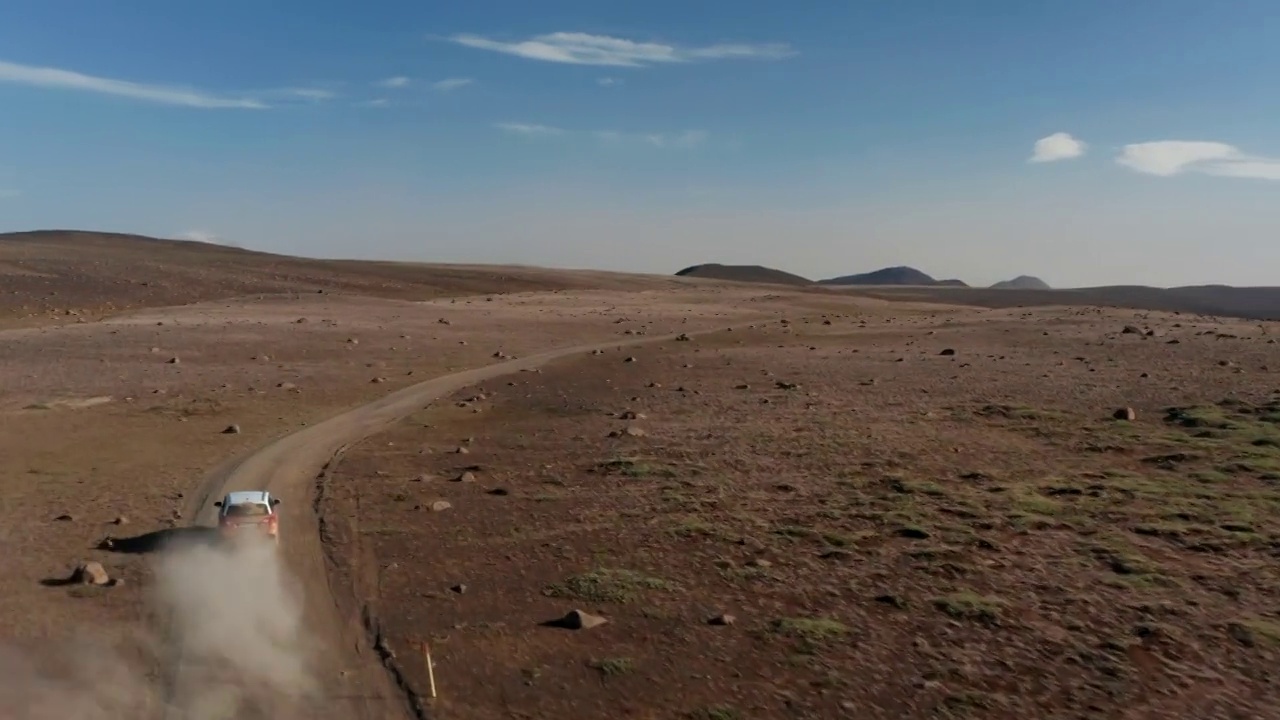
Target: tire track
357	683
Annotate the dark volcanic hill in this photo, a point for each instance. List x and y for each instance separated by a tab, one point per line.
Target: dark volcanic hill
743	273
952	283
900	275
1022	282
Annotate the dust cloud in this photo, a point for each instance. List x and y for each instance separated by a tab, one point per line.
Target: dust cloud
232	647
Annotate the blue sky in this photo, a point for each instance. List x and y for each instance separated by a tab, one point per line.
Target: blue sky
1091	142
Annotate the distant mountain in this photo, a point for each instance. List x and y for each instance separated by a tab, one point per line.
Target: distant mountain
1022	282
952	283
900	275
743	273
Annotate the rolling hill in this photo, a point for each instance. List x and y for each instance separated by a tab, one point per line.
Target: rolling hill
1022	282
743	273
900	275
68	273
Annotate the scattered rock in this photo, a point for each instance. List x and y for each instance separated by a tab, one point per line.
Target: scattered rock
173	361
459	588
231	430
630	359
91	573
786	385
500	492
631	415
466	477
460	450
122	520
722	620
892	601
1125	413
913	533
64	517
578	620
948	351
378	380
352	341
682	338
1131	330
440	505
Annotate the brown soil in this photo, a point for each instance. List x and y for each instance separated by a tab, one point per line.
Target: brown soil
898	532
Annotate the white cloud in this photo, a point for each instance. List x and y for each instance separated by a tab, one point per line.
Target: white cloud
451	84
685	139
1058	146
203	236
527	129
376	103
608	81
1166	158
313	94
398	81
585	49
166	95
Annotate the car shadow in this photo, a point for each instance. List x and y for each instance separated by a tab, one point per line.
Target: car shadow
158	540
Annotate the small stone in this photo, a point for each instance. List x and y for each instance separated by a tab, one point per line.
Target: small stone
460	450
1131	330
722	619
578	620
629	359
459	588
440	505
122	520
231	430
173	361
64	517
948	351
91	573
466	477
1125	413
631	415
378	380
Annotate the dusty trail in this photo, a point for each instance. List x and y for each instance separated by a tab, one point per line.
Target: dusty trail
356	685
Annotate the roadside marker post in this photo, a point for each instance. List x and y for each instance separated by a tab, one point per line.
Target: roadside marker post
431	669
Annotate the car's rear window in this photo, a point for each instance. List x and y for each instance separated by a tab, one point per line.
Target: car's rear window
247	509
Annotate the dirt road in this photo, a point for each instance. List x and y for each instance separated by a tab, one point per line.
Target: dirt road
350	670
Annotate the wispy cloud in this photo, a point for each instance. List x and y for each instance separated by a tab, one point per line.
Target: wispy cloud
608	81
167	95
528	130
375	103
312	94
451	84
398	81
1058	146
585	49
1174	157
684	139
203	236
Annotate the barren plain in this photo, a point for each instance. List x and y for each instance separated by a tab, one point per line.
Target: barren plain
782	503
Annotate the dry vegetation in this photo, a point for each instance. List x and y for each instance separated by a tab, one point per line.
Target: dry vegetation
843	507
895	532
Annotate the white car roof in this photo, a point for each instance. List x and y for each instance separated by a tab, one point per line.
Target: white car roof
261	497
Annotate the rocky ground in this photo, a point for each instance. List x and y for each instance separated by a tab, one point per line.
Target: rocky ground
110	425
840	512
